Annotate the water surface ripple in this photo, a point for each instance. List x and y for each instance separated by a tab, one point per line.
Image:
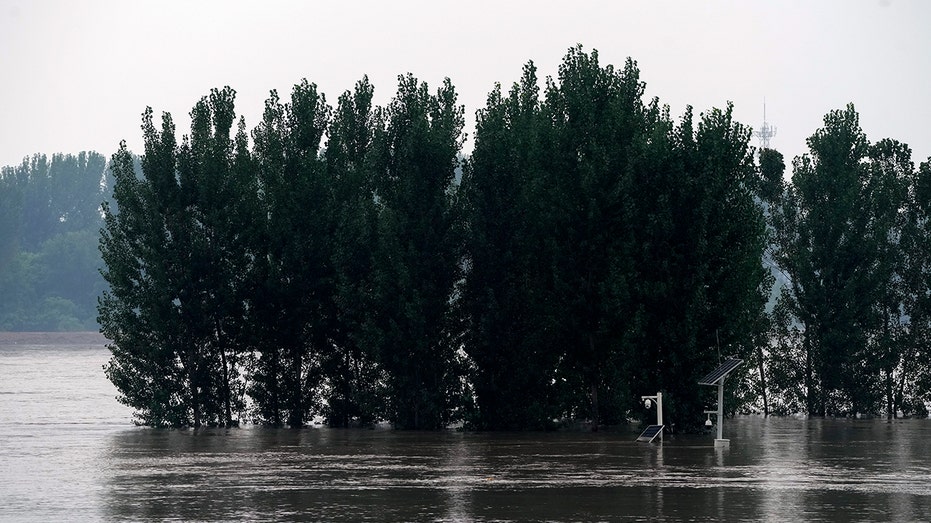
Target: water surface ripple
68	452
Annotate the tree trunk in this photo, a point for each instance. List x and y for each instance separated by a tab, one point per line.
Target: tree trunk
228	410
594	384
890	407
594	393
276	400
897	402
347	387
295	394
809	380
193	380
759	354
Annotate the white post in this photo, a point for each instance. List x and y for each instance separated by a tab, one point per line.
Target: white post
659	409
721	409
720	441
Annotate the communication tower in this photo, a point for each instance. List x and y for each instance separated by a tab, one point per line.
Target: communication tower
766	131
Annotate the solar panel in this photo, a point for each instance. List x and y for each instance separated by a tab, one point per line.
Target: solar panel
650	433
719	373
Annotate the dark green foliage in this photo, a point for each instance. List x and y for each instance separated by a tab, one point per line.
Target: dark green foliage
293	300
417	254
890	344
609	249
596	250
699	285
907	362
770	189
507	324
844	333
355	383
596	116
139	312
172	265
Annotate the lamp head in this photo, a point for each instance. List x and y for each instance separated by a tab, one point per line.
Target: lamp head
708	421
647	403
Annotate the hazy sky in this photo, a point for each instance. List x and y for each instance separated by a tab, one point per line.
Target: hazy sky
77	75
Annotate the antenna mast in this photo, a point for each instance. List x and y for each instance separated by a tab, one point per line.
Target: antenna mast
766	131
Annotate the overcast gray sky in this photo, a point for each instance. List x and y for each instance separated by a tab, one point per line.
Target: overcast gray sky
76	75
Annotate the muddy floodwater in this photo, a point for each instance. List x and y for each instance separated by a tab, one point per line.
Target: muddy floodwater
68	452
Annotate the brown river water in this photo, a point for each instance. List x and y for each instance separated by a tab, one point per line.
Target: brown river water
68	452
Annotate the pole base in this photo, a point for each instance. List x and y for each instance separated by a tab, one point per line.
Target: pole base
725	443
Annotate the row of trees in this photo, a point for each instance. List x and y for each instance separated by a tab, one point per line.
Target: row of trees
49	224
609	249
310	282
850	234
350	264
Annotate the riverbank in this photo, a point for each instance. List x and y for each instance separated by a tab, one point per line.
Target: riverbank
52	338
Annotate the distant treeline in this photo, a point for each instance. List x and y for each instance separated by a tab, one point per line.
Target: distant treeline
50	219
348	263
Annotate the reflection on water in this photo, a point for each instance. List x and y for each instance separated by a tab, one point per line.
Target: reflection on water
95	467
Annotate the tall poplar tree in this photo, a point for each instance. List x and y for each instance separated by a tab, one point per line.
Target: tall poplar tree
699	286
841	218
608	249
292	304
172	265
907	368
596	117
213	171
155	365
509	331
417	255
891	172
355	382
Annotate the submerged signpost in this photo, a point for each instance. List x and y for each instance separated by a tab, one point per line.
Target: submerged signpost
651	432
716	377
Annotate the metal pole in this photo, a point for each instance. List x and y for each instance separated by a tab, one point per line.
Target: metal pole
721	409
659	413
659	408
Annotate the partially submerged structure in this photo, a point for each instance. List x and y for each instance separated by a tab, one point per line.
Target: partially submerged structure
716	377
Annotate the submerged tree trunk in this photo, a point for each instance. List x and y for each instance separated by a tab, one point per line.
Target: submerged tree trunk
809	381
228	410
890	407
900	388
226	388
763	382
195	397
295	392
594	384
193	382
594	393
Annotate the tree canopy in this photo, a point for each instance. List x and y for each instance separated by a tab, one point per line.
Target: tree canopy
350	264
